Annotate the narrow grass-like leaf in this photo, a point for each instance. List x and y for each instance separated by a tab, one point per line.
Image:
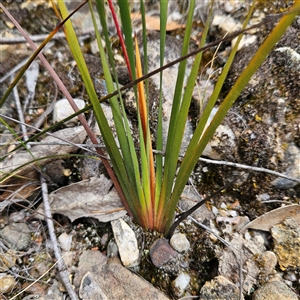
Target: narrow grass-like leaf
127	29
174	139
138	203
148	171
182	117
159	134
110	3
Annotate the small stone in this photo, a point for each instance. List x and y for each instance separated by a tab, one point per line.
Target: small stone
268	262
104	239
112	249
219	288
63	109
179	242
287	243
290	276
242	221
7	283
16	217
127	243
180	284
8	259
17	235
161	252
275	290
65	241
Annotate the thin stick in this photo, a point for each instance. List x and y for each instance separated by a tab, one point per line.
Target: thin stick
41	37
61	266
256	169
50	134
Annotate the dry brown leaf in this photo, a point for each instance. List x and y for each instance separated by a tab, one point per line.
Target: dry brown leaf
153	23
276	216
21	187
75	135
93	197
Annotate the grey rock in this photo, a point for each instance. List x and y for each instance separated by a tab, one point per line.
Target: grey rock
179	242
161	252
275	290
63	109
17	235
93	197
18	216
219	288
127	243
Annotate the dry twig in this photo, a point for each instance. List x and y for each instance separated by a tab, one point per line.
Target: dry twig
61	266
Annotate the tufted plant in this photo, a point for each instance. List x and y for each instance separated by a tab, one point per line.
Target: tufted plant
150	182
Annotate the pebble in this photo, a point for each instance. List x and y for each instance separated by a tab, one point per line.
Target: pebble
161	252
112	249
8	259
63	109
291	276
268	262
179	242
17	235
286	238
7	283
219	288
127	243
65	241
180	284
275	290
17	217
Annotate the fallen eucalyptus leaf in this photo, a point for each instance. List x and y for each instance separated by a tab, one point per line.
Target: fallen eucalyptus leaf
93	197
278	215
75	135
